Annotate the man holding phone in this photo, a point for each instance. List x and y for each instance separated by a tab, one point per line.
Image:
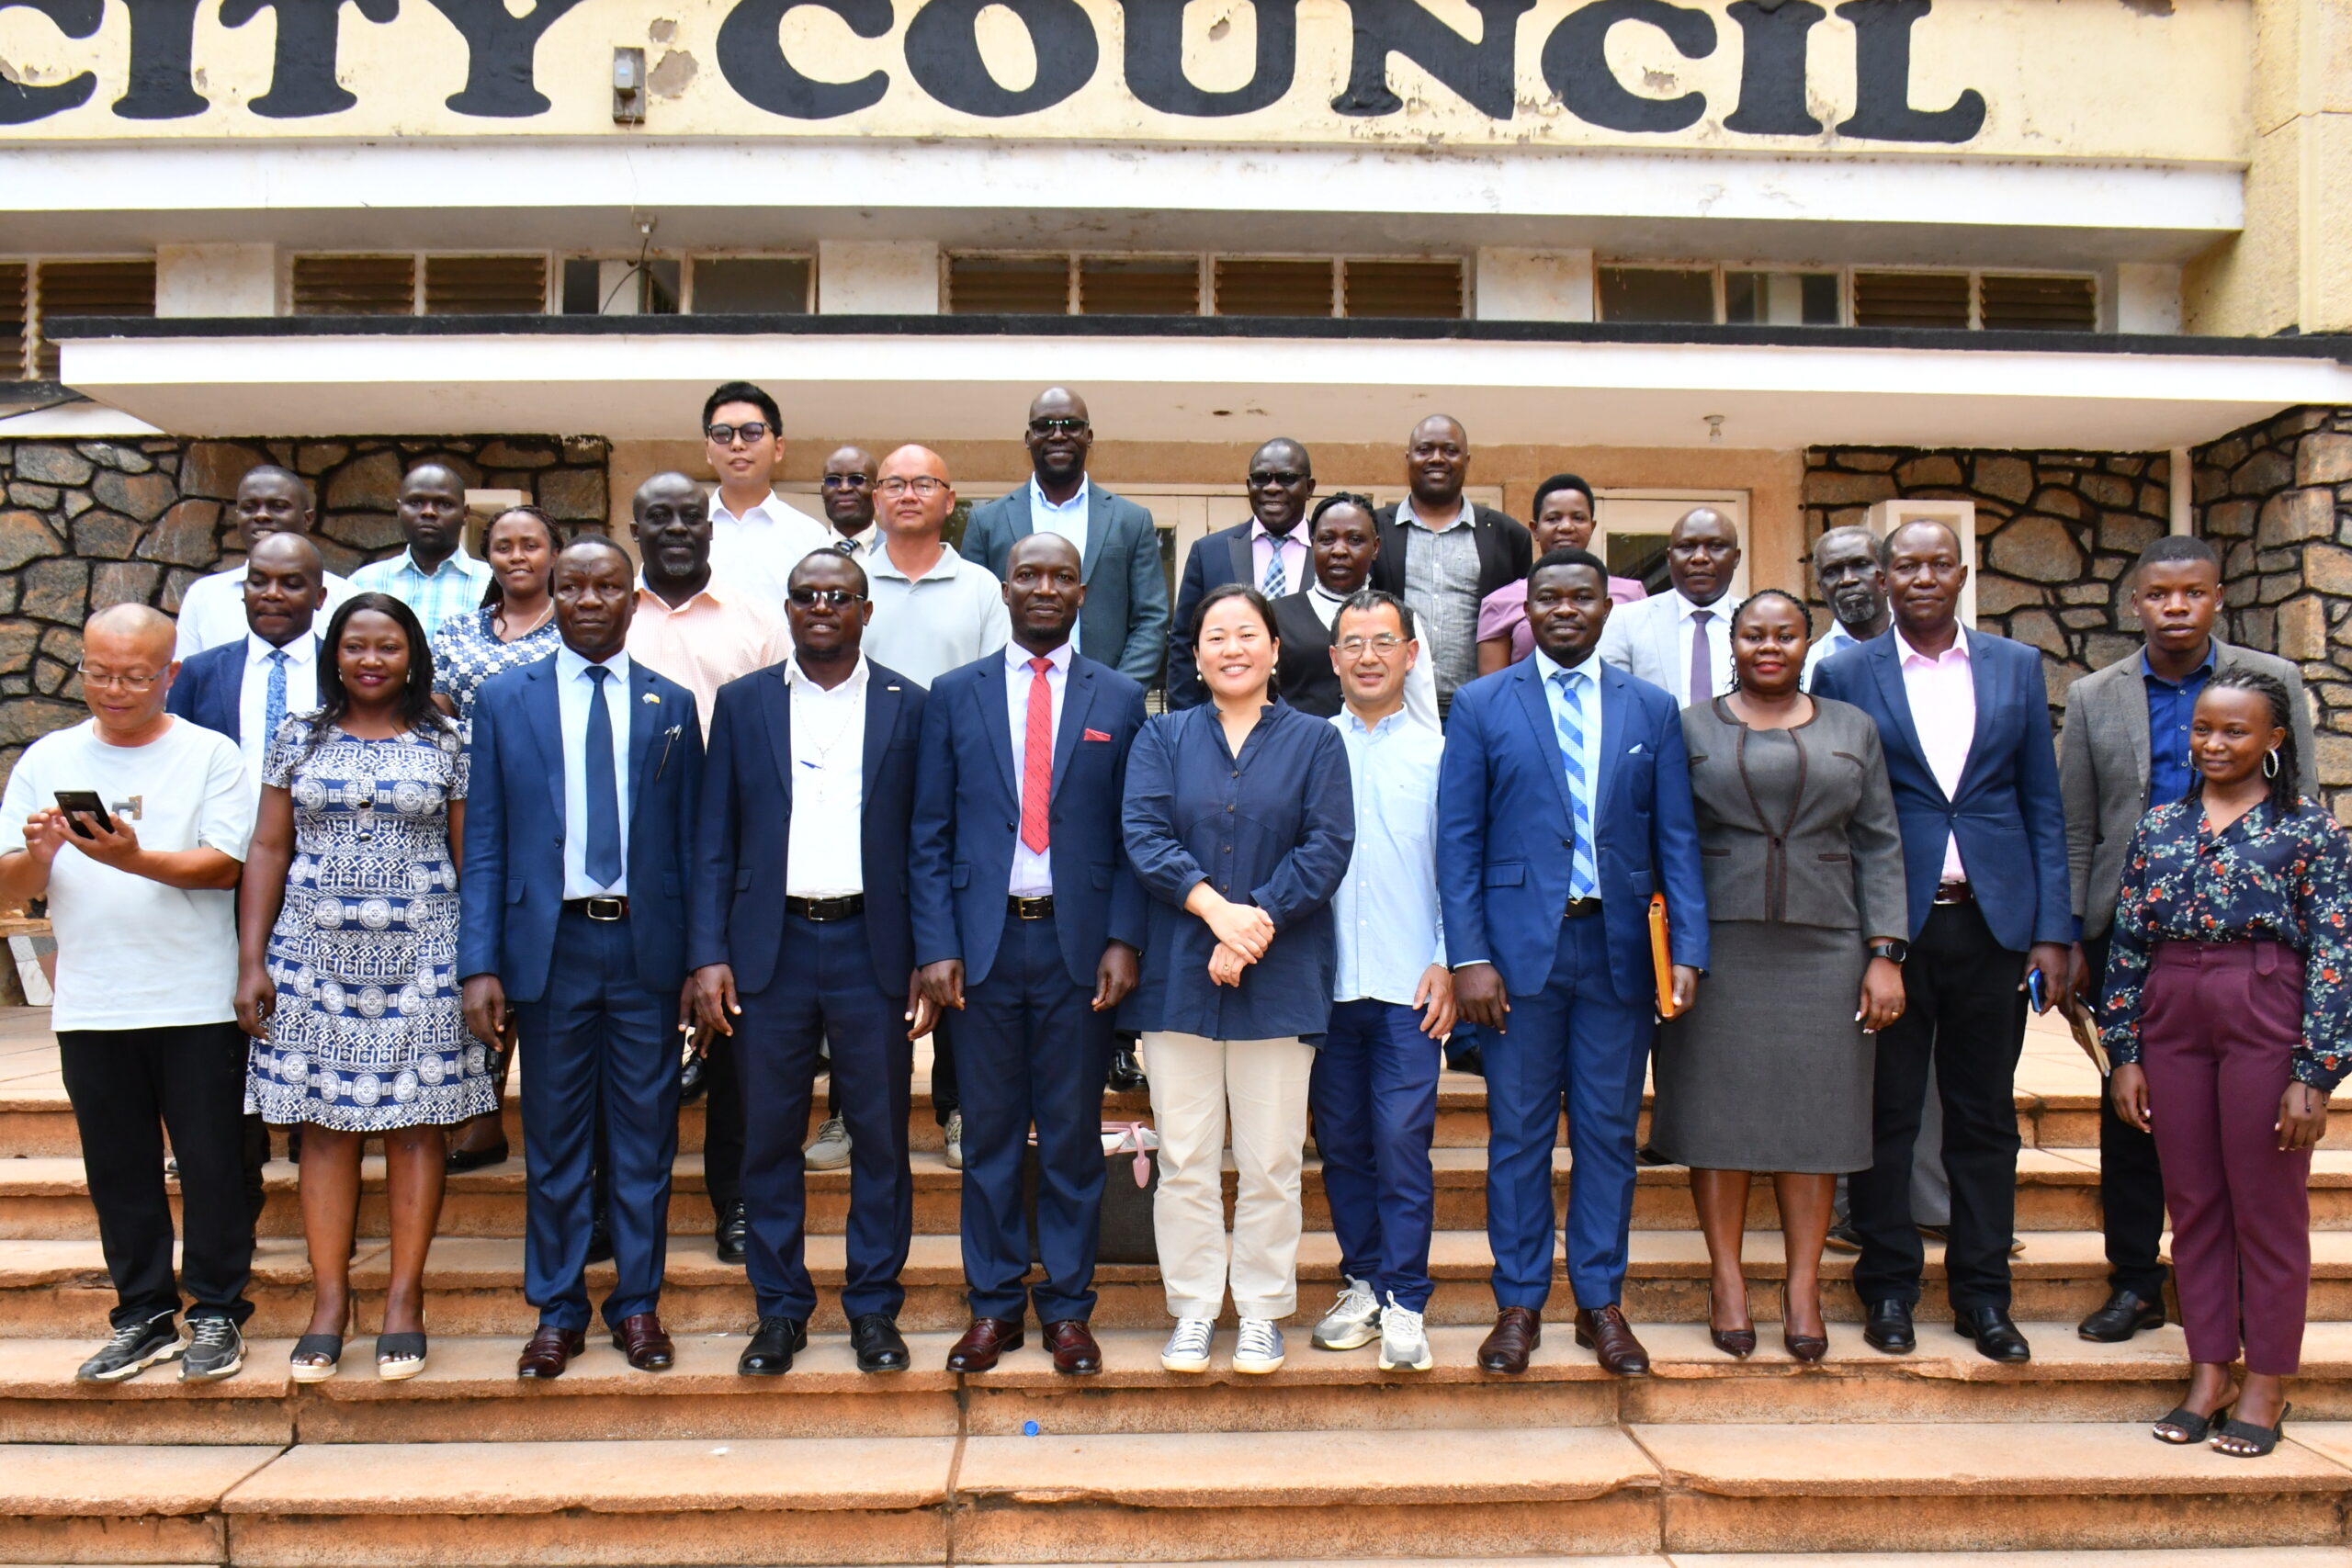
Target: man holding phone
135	827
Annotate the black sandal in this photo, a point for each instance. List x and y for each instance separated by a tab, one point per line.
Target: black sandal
399	1356
301	1367
2192	1427
2262	1438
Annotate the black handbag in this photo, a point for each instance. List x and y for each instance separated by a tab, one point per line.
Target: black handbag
1130	1180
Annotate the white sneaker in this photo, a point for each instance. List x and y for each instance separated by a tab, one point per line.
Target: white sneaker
1187	1349
1259	1347
955	1131
829	1150
1354	1321
1404	1342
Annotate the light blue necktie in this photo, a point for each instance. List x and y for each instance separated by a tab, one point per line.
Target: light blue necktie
604	861
273	707
1277	580
1583	876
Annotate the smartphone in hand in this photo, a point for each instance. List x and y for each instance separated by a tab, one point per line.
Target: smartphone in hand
85	803
2033	990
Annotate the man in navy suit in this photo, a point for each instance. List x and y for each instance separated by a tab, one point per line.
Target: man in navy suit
1028	921
244	688
579	831
1272	552
1562	804
800	935
1965	719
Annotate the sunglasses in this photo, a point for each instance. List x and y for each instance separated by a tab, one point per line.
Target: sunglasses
838	598
843	481
724	435
1063	426
1284	478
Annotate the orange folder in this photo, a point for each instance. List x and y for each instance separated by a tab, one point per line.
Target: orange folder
1662	957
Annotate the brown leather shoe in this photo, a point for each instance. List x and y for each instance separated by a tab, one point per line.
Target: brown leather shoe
549	1351
641	1340
1518	1330
988	1339
1605	1332
1072	1343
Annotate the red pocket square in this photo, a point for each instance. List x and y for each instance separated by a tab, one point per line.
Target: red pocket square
1094	735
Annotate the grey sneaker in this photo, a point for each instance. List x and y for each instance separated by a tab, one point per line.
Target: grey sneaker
1404	1343
954	1140
134	1347
1187	1349
1258	1346
215	1351
1354	1321
829	1150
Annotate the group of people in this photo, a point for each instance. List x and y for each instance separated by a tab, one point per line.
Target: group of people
782	796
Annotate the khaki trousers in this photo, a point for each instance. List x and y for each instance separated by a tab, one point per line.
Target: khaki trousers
1196	1084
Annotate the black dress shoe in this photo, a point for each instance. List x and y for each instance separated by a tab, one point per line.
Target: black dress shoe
734	1228
1126	1072
2125	1313
1467	1060
1888	1327
460	1161
879	1346
694	1077
774	1344
1997	1338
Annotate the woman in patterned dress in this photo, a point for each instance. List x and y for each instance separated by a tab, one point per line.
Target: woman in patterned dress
515	624
347	929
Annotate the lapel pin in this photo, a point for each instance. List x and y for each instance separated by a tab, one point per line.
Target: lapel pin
653	697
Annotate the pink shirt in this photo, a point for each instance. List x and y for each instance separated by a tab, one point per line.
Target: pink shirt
1503	613
706	642
1298	561
1942	694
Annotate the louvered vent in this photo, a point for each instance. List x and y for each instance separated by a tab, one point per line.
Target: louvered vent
485	285
1911	300
2038	304
1008	286
14	329
1139	285
1253	287
90	289
354	286
1426	290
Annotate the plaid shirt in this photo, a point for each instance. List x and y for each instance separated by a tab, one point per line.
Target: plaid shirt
455	589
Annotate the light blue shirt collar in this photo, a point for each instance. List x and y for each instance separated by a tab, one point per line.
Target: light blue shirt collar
1038	502
569	666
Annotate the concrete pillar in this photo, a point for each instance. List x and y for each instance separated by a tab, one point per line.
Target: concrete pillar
2147	298
877	277
1533	285
217	280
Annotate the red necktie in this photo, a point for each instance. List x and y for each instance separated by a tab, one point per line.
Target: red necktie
1037	760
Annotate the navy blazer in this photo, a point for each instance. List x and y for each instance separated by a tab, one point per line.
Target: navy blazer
1275	827
1125	624
510	890
209	689
2009	815
738	905
967	818
1216	560
1504	830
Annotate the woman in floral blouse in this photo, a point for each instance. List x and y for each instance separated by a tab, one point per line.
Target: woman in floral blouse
2226	1016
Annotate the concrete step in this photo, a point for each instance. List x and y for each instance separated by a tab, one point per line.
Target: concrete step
59	1288
469	1390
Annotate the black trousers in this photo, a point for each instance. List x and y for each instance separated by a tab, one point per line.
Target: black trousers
127	1086
722	1136
1963	1005
945	1098
2130	1181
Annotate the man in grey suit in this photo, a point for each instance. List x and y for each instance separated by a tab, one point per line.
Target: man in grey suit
1680	639
1125	624
2125	747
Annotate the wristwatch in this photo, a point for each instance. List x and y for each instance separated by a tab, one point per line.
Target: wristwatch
1894	950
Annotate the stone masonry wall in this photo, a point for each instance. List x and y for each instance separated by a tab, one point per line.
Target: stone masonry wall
88	523
2055	533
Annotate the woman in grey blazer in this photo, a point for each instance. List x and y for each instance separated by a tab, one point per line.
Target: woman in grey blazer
1803	861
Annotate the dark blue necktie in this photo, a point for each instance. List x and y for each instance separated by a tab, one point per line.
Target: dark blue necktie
603	790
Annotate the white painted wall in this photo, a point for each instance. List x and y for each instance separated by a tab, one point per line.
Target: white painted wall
216	280
2147	298
1533	285
877	277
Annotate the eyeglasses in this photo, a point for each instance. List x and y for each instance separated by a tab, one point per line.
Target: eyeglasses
724	435
1284	477
1384	645
838	598
1062	426
921	484
844	482
117	682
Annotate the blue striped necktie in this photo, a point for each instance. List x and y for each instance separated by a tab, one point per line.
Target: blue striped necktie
604	858
272	709
1583	876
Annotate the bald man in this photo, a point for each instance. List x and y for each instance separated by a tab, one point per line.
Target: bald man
140	896
933	611
244	688
1682	639
270	499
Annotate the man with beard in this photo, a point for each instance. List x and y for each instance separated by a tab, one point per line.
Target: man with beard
1847	575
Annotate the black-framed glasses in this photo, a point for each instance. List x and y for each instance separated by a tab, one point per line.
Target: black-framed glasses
838	598
844	482
1062	426
117	682
921	484
1283	478
751	432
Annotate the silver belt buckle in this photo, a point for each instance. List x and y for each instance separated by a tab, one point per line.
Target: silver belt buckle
604	909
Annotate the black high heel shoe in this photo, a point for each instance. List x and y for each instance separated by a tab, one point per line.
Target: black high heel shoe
1739	1342
1806	1348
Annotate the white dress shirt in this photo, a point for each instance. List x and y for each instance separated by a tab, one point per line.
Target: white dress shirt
1718	633
859	547
758	550
1420	681
1942	694
212	610
1033	874
253	696
824	847
1830	644
924	626
573	688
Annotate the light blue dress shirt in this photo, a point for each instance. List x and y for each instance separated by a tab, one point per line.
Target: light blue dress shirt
453	588
1830	644
574	690
1068	520
1386	912
1586	678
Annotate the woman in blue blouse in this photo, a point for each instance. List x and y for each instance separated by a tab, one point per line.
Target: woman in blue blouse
1239	820
2226	1020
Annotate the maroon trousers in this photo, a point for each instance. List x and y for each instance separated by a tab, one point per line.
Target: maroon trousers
2218	1023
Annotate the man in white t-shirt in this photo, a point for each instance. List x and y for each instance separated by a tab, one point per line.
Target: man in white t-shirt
212	609
756	538
141	898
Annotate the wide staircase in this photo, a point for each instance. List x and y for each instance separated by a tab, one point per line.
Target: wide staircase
1936	1458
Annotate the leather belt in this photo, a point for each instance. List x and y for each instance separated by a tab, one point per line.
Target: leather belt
1955	893
601	907
1579	908
1030	909
821	909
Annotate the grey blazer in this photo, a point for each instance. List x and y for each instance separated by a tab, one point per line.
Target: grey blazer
1125	623
1828	853
2103	768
